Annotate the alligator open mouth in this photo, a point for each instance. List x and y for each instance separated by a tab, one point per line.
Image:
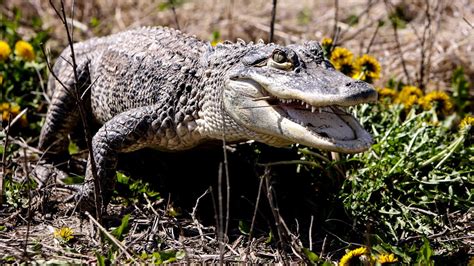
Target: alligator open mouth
330	122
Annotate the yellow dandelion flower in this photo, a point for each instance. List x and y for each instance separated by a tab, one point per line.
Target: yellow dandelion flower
5	50
348	69
24	50
4	107
14	109
215	42
368	67
408	96
467	121
387	258
326	42
471	261
341	56
387	93
5	115
64	233
441	99
346	259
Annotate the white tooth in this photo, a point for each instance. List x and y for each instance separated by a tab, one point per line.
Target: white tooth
313	109
302	103
319	109
307	106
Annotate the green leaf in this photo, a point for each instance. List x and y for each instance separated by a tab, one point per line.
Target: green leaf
94	22
122	179
180	255
100	259
460	90
244	227
122	229
269	238
311	255
73	180
425	253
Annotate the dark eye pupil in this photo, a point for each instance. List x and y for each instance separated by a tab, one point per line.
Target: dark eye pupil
279	57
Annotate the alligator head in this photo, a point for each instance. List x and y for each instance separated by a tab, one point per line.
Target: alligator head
293	94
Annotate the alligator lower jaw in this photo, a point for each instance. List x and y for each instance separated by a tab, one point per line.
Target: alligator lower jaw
331	124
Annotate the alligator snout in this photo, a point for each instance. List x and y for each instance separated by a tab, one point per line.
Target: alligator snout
359	91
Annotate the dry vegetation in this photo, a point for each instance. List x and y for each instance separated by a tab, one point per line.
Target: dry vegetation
436	37
447	42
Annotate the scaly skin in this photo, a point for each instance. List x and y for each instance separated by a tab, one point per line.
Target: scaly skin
159	88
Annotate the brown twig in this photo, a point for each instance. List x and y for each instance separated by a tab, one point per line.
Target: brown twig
28	190
173	9
115	241
282	236
365	27
313	164
230	18
221	217
4	157
399	46
323	246
438	10
195	220
257	201
97	189
468	23
335	31
272	22
310	233
421	83
373	37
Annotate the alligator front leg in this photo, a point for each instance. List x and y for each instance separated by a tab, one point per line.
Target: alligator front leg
126	132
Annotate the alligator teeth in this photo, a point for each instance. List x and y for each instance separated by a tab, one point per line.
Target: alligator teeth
313	109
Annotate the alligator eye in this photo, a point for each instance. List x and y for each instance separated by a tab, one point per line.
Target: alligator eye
280	60
279	57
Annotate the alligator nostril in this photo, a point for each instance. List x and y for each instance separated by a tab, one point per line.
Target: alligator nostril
357	84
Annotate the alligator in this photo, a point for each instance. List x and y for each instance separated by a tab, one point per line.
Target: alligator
155	87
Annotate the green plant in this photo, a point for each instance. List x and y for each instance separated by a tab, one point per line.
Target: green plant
460	91
22	71
136	188
418	171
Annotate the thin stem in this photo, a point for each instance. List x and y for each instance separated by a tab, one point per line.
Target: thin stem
97	189
272	23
